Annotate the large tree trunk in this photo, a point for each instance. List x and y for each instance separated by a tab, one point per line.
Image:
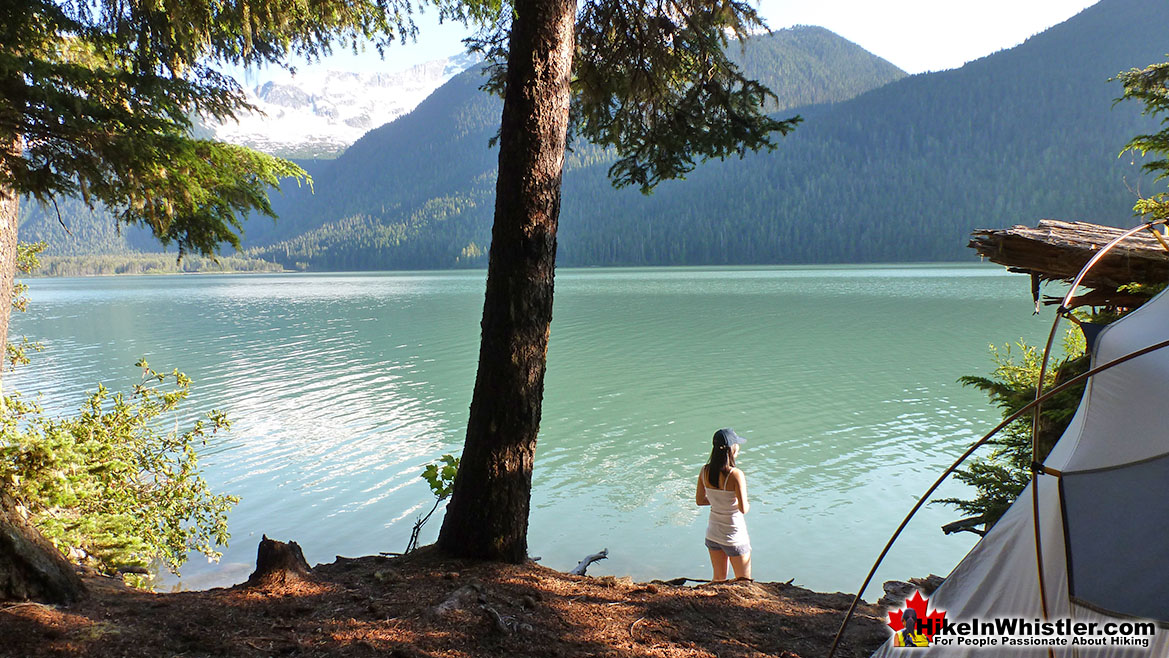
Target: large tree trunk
9	205
30	567
488	513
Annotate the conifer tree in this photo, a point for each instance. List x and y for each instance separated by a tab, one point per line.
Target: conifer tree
96	101
1150	86
651	80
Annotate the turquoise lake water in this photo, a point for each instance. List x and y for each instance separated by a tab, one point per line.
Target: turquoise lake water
342	387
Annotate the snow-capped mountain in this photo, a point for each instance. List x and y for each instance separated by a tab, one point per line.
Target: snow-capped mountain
320	113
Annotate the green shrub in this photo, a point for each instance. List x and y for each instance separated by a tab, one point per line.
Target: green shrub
117	486
441	478
1001	476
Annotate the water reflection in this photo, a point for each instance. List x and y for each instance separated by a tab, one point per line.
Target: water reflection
342	387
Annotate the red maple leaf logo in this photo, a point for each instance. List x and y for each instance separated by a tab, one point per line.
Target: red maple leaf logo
931	621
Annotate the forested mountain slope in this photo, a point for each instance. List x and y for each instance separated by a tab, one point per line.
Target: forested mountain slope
406	178
419	192
901	173
905	172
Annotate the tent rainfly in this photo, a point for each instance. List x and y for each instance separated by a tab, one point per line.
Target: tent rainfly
1103	512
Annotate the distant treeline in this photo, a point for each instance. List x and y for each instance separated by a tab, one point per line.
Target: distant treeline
162	263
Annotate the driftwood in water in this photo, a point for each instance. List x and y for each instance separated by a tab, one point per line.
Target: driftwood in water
278	563
1056	250
583	565
30	566
974	524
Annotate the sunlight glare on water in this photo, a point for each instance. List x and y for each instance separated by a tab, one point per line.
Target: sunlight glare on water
341	387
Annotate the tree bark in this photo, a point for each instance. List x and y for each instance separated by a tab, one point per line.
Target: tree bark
9	205
278	563
30	566
488	513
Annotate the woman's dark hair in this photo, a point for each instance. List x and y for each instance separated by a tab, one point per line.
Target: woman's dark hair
721	463
909	618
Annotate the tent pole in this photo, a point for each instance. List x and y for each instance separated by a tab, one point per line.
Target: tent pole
1061	312
1035	451
1064	310
969	451
1038	537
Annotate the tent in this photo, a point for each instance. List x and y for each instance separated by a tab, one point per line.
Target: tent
1103	511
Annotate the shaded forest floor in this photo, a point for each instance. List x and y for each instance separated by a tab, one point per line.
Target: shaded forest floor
427	605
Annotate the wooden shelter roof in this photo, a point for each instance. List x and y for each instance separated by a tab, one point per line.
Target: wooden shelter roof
1056	250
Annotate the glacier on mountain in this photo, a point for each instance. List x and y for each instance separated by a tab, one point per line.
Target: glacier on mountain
319	113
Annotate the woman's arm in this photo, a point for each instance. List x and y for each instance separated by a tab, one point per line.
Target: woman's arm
700	496
741	489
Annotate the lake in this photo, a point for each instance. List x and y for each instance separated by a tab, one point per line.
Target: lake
342	387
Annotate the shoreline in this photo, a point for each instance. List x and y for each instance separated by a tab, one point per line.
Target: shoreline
884	265
428	604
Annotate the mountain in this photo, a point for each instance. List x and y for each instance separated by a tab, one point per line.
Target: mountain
400	181
902	172
317	113
419	192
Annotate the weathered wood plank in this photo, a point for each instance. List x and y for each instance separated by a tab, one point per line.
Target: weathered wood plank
1057	250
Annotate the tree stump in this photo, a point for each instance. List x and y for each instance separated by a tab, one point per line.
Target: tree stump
278	563
31	568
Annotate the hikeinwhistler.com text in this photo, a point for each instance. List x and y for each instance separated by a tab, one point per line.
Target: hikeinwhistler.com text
1020	632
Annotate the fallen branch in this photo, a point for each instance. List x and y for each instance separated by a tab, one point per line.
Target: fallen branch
24	604
966	525
461	598
504	624
583	565
682	581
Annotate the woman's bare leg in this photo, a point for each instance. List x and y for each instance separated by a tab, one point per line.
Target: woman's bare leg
718	560
741	565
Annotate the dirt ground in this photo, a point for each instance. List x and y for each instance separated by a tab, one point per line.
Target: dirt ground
425	604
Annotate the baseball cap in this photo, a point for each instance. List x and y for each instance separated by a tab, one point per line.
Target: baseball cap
726	437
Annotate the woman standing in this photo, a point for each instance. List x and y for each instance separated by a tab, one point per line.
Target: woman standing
724	488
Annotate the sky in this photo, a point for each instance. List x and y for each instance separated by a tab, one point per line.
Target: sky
926	35
915	35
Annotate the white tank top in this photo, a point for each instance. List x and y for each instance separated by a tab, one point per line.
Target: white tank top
727	525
